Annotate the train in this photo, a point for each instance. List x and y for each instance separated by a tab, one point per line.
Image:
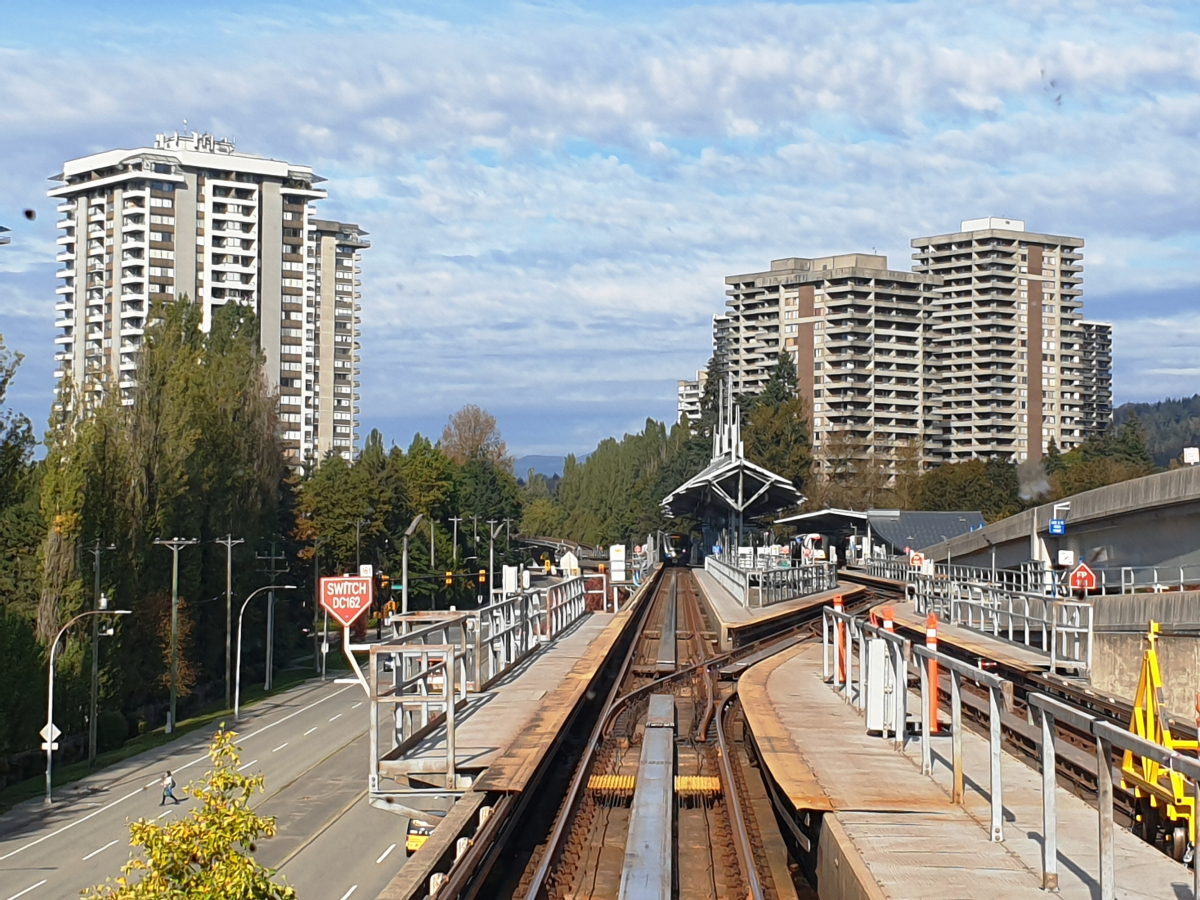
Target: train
677	550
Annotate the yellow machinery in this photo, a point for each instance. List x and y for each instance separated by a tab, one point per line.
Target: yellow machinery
1156	788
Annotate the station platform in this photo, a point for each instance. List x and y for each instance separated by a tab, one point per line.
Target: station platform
494	719
1012	655
876	827
738	625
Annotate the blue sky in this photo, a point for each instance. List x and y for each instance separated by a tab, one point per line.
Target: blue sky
555	191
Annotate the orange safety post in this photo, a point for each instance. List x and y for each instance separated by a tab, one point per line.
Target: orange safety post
931	643
839	605
889	618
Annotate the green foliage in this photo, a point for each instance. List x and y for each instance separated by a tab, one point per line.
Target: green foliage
776	436
112	729
204	855
1170	425
782	385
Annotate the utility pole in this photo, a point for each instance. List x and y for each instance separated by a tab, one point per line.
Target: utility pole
408	532
318	646
271	559
358	524
432	562
96	550
507	536
176	544
229	542
456	520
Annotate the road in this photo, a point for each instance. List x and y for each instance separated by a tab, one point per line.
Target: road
310	743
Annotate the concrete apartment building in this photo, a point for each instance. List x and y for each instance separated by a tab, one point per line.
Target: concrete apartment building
192	216
857	331
1010	358
689	395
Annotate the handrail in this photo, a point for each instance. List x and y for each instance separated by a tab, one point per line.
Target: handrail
1107	735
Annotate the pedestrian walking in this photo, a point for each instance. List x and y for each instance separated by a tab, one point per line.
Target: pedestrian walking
168	784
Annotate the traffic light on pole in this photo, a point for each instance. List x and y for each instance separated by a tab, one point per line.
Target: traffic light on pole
449	579
483	576
385	582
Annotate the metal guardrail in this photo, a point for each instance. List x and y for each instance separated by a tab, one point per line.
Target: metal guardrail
433	657
841	631
1062	628
756	588
1135	579
1049	710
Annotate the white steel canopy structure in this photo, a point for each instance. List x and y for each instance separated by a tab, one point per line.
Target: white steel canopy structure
730	482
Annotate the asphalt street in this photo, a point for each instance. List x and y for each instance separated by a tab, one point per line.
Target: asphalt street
311	745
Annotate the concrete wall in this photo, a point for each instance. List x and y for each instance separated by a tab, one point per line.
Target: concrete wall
1120	642
841	872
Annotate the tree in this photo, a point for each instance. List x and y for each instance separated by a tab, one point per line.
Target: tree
910	465
470	434
1053	461
782	384
776	436
206	854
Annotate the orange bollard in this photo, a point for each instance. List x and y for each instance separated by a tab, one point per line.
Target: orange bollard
889	618
931	643
839	605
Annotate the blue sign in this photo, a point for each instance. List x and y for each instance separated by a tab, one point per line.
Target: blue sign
1058	526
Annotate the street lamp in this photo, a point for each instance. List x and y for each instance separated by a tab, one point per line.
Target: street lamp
48	734
237	690
358	524
408	532
96	549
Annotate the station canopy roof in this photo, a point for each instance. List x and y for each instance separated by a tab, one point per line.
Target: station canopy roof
730	482
897	527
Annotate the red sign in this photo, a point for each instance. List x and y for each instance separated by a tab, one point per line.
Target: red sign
1083	578
917	560
347	597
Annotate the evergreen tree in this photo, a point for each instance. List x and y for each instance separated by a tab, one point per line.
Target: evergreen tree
782	385
1053	461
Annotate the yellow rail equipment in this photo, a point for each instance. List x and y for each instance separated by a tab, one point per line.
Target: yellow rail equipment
1153	784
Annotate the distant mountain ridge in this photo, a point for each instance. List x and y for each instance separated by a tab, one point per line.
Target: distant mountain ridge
543	465
1170	425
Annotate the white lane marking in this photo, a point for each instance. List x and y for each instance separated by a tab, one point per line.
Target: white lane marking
101	850
357	705
71	825
344	896
385	854
97	812
43	881
167	813
247	765
310	731
338	716
280	747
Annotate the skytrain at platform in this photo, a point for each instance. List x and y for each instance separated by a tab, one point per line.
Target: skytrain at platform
677	549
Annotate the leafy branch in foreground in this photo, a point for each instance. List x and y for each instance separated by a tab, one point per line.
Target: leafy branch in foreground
206	854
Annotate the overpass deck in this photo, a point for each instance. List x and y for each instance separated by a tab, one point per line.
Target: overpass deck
882	829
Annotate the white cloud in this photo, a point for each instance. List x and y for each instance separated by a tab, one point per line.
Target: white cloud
554	200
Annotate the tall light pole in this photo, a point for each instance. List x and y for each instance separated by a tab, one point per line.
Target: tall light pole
237	681
176	544
318	655
493	530
96	549
229	541
358	524
456	520
412	526
48	732
432	539
271	558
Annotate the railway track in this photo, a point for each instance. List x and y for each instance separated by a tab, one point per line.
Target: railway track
571	837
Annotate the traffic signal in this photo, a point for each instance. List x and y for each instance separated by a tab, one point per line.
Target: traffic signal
449	579
483	576
385	582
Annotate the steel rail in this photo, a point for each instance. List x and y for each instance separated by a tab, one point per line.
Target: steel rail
744	850
537	884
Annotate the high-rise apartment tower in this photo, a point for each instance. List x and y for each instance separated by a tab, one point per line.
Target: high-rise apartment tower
1007	354
857	332
191	216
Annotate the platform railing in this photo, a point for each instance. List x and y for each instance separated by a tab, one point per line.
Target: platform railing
1135	579
1061	628
895	568
842	633
756	588
730	577
1046	711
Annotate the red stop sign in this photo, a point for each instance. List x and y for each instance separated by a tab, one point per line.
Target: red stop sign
1083	578
346	597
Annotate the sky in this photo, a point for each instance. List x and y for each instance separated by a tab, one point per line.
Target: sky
556	191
